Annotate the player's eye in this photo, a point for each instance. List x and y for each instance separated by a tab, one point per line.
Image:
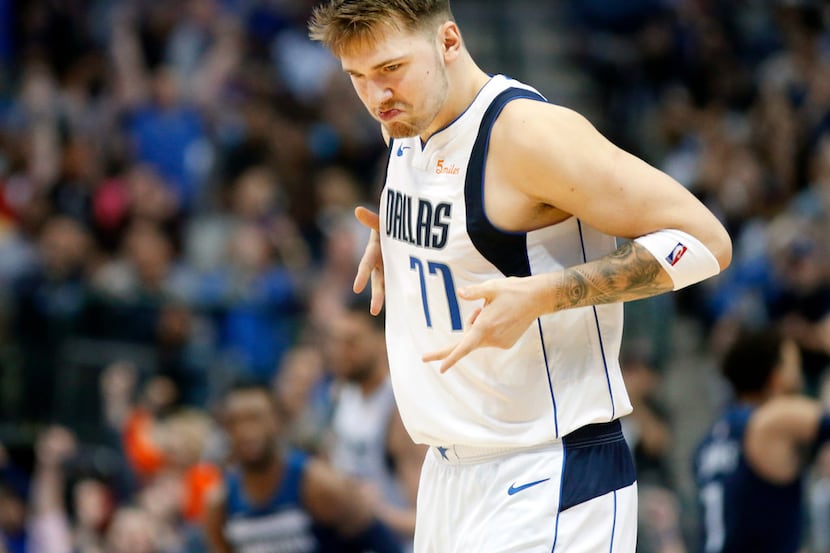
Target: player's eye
391	68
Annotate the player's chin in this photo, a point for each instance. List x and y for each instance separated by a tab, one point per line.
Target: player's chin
252	454
399	129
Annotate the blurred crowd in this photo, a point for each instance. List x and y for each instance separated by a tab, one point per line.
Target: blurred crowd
733	100
177	182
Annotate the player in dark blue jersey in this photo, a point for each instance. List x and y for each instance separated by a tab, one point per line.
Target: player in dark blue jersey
277	501
750	464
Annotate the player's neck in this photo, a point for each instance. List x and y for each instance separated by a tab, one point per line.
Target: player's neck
264	466
752	399
374	380
466	79
260	482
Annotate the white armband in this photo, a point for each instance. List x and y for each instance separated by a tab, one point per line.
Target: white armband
683	256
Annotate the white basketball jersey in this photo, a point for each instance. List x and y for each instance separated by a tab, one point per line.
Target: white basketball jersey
563	373
361	428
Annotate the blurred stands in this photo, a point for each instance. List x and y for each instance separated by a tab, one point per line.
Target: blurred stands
177	181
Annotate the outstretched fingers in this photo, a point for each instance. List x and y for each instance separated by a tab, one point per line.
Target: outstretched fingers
365	268
437	355
378	291
367	218
471	340
450	356
471	321
370	268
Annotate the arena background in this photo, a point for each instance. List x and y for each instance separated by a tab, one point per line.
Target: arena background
176	190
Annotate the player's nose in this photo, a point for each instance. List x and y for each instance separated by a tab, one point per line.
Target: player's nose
379	93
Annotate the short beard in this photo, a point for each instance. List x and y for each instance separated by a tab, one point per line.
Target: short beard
362	374
262	464
398	129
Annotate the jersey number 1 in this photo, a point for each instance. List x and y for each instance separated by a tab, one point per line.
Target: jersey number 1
449	287
711	495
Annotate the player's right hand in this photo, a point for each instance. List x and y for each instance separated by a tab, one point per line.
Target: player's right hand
371	264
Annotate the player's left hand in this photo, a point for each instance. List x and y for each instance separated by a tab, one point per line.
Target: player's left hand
510	306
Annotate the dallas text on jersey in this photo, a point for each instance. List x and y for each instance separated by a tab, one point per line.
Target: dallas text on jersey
422	225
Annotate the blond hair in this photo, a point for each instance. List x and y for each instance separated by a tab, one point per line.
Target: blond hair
340	24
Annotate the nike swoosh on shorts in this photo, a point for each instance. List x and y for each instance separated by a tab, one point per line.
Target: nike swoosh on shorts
514	489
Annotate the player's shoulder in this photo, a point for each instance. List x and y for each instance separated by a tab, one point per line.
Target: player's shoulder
521	114
530	127
784	414
539	144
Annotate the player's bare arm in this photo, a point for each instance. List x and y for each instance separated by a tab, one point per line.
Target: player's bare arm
778	435
546	164
561	166
215	521
629	273
408	458
333	499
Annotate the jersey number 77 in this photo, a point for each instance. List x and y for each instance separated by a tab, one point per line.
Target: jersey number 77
443	270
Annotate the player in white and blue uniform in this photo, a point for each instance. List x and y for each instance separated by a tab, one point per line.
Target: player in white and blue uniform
436	238
503	284
749	467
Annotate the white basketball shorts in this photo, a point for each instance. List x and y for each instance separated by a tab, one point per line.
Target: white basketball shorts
577	495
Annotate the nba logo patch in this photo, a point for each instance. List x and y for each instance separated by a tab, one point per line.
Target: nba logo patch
675	255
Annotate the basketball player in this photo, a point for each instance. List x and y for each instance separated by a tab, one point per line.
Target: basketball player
503	284
749	466
284	502
369	440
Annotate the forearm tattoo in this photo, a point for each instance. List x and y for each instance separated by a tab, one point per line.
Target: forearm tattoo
629	273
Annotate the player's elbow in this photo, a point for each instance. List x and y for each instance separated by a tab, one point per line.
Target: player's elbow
720	244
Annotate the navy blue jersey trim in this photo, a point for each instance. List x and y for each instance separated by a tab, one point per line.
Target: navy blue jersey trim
599	330
506	250
613	524
561	490
547	372
424	144
597	462
390	151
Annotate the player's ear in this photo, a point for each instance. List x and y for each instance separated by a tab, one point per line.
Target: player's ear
449	36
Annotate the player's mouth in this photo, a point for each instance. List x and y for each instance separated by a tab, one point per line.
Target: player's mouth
388	114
